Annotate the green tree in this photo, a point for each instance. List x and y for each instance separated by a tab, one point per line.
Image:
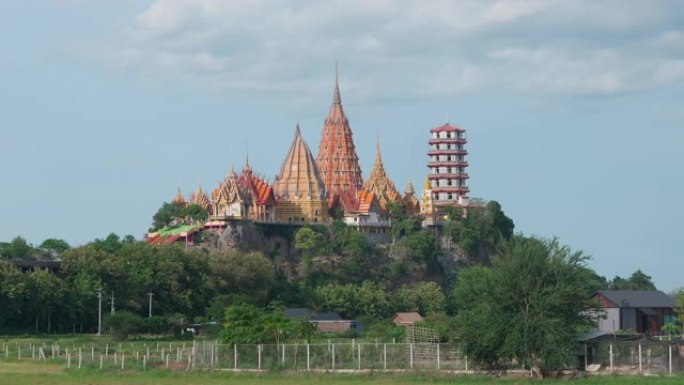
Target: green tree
166	214
353	300
247	324
53	247
637	281
528	307
195	213
18	248
234	272
424	298
123	324
678	296
12	293
44	293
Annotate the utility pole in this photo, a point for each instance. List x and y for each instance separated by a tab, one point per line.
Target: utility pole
149	314
99	312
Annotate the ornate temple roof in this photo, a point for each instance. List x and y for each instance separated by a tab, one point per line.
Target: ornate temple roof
409	189
379	183
337	161
230	190
298	177
178	199
199	198
261	191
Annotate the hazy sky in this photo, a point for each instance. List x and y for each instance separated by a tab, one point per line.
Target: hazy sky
573	109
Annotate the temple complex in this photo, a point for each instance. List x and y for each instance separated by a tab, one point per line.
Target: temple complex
447	177
298	188
310	189
336	160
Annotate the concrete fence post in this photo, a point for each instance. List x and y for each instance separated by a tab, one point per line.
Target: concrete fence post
333	356
670	358
611	357
438	357
235	357
411	355
384	356
308	358
639	357
259	356
359	355
586	357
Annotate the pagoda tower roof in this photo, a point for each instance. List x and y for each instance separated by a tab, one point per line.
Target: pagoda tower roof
298	177
378	182
337	161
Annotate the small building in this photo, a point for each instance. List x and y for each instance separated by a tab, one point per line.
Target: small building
406	319
325	322
640	311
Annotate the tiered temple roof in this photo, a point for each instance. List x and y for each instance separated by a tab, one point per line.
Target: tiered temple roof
262	193
337	161
298	187
199	198
230	191
379	183
298	177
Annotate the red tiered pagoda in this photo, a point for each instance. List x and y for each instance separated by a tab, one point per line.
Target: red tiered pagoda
447	178
336	161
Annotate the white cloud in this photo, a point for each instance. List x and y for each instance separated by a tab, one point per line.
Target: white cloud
448	47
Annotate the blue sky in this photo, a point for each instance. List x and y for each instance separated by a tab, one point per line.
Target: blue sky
572	108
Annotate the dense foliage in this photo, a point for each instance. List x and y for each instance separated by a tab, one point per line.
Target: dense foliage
528	307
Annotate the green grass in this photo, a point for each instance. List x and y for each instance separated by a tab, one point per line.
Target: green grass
29	372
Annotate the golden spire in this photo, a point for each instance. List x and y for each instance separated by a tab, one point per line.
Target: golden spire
378	182
298	177
179	197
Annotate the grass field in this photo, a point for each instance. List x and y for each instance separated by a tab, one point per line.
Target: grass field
45	374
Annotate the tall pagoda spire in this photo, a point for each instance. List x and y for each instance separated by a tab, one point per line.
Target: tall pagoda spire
298	188
337	161
379	183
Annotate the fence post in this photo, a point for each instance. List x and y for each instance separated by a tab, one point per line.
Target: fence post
670	357
333	356
283	355
144	362
123	361
611	357
466	359
437	356
639	357
586	358
101	361
359	346
92	353
308	364
79	358
411	355
258	356
235	356
384	356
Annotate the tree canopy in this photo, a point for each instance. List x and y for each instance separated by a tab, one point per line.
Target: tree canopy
529	306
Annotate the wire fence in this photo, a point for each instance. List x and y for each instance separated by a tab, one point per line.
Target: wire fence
628	357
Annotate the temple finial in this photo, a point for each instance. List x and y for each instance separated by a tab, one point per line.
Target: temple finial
297	131
337	99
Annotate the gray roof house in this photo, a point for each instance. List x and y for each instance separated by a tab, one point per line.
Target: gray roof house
640	311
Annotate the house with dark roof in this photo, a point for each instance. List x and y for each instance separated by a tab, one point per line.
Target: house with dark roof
641	311
325	322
